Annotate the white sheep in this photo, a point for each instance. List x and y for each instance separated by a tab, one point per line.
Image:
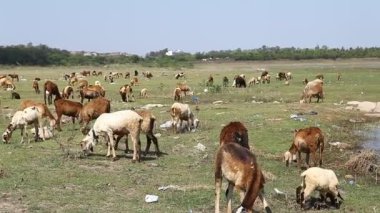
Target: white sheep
323	180
108	124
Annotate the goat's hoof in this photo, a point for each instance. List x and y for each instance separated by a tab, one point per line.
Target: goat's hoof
133	161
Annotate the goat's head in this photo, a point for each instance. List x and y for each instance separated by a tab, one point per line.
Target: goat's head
7	133
88	142
289	157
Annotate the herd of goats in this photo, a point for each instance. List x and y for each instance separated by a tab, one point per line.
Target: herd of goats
234	160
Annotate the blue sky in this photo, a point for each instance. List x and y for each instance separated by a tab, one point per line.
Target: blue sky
140	26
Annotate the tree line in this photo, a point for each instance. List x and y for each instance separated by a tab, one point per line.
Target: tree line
43	55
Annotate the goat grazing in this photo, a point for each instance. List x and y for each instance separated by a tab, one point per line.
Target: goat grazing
181	112
21	119
147	127
307	140
108	124
312	89
239	166
234	132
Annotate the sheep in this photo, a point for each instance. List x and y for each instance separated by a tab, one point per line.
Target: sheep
20	120
289	76
180	112
147	127
307	140
239	166
108	124
144	93
322	180
234	132
252	81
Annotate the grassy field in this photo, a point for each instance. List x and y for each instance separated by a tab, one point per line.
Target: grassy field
42	177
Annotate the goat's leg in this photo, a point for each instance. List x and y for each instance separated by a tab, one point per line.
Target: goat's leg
108	145
313	155
306	193
265	203
218	185
135	136
299	159
307	160
59	115
229	194
155	142
112	144
23	129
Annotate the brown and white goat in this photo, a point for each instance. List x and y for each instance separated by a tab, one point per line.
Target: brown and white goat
42	109
312	89
235	132
239	166
126	93
67	92
307	140
182	112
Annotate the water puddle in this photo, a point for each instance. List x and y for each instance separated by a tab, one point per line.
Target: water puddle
373	141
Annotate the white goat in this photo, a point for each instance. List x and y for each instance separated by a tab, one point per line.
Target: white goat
323	180
20	120
108	124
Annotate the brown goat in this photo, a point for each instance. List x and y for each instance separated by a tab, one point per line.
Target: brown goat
50	89
147	127
307	140
239	166
68	108
184	88
177	94
234	132
36	87
14	76
91	92
92	110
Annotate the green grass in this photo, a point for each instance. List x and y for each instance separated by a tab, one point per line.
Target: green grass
40	177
